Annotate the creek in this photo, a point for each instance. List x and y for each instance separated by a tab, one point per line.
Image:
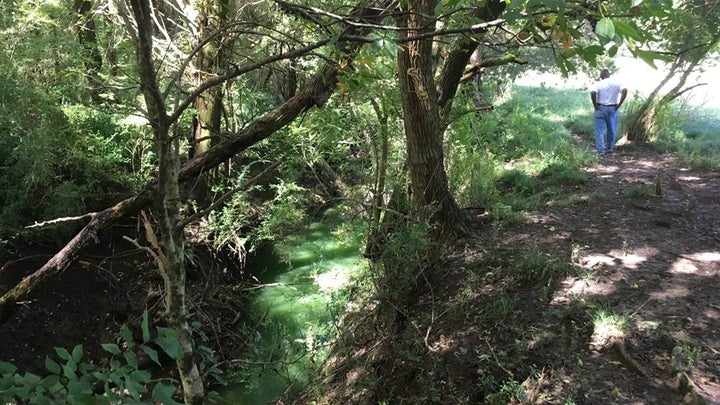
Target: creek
295	310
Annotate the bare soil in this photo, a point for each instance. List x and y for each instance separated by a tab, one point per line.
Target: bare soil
478	329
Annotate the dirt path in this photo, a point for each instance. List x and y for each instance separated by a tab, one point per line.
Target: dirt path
649	248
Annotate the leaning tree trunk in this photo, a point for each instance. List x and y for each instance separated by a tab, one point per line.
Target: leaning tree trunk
421	117
642	125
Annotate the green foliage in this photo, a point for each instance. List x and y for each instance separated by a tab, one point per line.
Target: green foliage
534	266
559	174
518	182
640	191
692	133
119	379
472	176
61	163
402	257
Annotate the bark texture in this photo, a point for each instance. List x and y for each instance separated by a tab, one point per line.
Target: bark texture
421	117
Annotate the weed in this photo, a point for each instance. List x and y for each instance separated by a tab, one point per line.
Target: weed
608	326
535	266
561	174
517	181
576	253
503	306
505	215
640	191
690	354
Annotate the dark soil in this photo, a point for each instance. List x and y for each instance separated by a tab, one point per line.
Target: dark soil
484	326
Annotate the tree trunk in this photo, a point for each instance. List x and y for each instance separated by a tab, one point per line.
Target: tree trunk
169	246
643	124
87	37
209	105
421	117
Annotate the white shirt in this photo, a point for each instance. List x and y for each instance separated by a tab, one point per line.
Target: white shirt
608	90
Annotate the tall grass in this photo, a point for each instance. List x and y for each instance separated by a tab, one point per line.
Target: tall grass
691	131
495	159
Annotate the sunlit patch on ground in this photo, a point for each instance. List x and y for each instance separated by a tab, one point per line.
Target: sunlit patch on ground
696	264
606	328
670	293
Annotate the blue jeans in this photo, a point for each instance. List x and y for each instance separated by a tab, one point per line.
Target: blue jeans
606	120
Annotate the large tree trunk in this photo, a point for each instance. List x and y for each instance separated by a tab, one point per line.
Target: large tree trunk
421	117
209	105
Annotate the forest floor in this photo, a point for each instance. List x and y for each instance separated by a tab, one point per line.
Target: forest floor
636	322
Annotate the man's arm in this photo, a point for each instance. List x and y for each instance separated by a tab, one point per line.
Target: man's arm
622	98
593	97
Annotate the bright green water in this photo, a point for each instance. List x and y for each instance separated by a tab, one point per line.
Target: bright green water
296	312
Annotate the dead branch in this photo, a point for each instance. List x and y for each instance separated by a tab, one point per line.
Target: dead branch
58	220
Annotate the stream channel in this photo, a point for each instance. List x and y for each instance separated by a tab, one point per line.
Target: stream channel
295	310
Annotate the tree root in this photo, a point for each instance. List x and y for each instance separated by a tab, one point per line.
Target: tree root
618	350
680	380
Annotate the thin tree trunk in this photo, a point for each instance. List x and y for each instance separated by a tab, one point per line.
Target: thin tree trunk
169	246
87	36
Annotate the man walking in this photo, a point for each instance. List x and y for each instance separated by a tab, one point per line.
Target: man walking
605	100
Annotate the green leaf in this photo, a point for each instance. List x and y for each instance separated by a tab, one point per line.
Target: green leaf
69	370
50	381
141	376
79	388
111	348
52	366
648	57
170	345
29	379
77	353
131	359
40	399
152	353
605	29
7	368
626	30
613	51
85	399
162	393
145	327
127	335
63	353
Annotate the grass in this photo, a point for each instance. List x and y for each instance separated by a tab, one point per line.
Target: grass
608	326
640	191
